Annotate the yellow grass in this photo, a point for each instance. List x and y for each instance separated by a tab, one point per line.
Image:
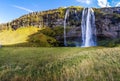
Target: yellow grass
9	37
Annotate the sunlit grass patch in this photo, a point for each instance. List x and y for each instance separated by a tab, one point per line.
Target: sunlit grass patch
9	37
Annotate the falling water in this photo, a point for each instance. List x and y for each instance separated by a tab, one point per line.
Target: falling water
66	15
88	28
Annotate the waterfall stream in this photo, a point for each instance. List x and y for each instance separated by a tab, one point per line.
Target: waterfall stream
66	15
88	28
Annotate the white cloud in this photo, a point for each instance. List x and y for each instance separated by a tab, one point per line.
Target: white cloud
118	4
22	8
103	3
84	1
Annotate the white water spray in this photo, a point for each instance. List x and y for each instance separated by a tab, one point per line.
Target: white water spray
88	28
66	15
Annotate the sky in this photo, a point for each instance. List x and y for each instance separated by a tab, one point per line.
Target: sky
12	9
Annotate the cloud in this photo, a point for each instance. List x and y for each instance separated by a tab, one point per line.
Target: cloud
118	4
22	8
103	3
84	1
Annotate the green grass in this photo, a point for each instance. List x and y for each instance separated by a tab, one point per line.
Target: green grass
59	64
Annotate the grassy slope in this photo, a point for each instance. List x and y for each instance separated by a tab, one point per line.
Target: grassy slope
59	64
8	37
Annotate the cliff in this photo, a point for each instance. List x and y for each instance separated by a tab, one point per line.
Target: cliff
107	20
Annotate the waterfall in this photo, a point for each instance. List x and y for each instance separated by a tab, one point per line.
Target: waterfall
88	28
66	15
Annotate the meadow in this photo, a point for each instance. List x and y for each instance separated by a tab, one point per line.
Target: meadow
59	64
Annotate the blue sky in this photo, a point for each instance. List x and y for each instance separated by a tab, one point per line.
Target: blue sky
12	9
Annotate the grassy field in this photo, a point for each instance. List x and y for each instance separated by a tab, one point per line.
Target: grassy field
59	64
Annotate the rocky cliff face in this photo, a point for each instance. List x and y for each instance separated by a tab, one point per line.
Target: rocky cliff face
107	20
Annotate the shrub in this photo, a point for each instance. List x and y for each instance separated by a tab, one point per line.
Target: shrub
58	30
40	39
109	42
48	31
47	37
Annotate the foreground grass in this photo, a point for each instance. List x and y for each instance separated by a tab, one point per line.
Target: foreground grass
59	64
